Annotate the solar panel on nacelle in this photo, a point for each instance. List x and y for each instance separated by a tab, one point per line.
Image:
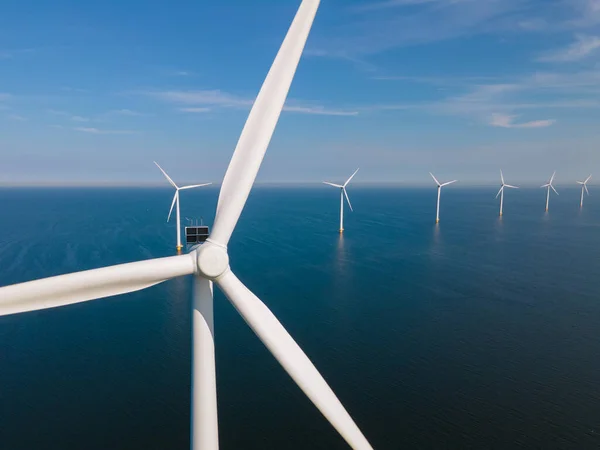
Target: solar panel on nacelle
196	234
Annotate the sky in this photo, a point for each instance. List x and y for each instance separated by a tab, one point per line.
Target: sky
94	92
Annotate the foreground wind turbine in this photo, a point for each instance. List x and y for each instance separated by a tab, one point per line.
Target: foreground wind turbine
209	264
548	185
176	201
501	191
343	194
439	191
584	186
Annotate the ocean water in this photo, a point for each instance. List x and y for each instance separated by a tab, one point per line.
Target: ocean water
476	333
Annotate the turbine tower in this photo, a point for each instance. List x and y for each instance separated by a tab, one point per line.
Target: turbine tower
548	185
176	201
343	194
584	187
209	263
501	191
439	191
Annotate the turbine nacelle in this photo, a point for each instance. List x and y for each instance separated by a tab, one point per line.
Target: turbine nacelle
343	187
584	184
441	185
549	184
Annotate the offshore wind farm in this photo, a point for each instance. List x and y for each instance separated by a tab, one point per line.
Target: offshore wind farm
263	326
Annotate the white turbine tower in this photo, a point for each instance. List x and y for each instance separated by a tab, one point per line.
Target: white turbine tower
209	264
176	201
548	185
439	191
343	194
501	191
584	187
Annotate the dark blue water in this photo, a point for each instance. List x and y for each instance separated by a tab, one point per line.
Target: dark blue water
477	333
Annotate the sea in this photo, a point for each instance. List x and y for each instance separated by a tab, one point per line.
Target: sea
479	332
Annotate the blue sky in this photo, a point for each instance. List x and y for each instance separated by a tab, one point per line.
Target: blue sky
93	92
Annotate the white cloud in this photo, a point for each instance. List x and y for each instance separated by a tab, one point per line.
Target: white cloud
125	112
9	54
583	47
319	110
16	117
79	119
375	6
202	97
205	99
195	110
98	131
4	96
508	121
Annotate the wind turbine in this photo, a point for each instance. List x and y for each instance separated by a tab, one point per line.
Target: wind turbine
548	185
584	186
501	191
176	201
439	191
342	194
209	263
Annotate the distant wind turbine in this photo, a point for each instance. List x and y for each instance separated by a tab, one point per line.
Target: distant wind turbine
176	201
343	194
439	191
501	191
584	187
548	185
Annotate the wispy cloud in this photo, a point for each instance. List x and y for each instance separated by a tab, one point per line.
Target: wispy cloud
79	119
91	130
583	47
9	54
195	110
4	96
125	112
376	27
318	110
213	97
16	117
376	6
74	89
430	21
202	100
508	121
539	91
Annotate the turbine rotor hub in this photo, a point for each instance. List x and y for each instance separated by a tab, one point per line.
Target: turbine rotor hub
212	260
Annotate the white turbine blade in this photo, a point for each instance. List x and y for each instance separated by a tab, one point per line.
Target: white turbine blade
167	176
348	199
351	176
587	179
552	178
173	204
586	189
295	362
260	125
499	191
434	179
554	189
449	182
580	182
194	186
332	184
501	176
511	186
545	185
92	284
